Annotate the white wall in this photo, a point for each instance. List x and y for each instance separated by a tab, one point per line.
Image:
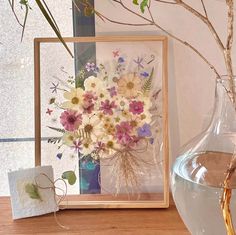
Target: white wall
191	82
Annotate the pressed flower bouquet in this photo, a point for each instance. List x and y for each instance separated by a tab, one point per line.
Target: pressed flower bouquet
110	114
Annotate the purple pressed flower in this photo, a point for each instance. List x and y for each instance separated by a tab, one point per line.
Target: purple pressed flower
144	131
59	156
54	87
112	91
139	62
144	74
121	60
90	67
151	140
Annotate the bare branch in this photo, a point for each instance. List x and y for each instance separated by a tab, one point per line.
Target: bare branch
152	22
205	20
167	2
121	23
204	8
230	4
228	49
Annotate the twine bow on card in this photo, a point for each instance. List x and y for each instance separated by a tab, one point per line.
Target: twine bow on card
58	198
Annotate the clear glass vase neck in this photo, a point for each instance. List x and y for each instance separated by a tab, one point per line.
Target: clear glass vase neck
223	120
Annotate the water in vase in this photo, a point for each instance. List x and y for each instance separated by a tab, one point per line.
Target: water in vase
197	189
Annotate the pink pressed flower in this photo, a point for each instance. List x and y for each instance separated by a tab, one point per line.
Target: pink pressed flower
70	120
136	107
88	106
107	107
100	147
123	133
77	145
89	96
112	91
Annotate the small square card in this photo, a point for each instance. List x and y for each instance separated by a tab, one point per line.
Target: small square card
32	192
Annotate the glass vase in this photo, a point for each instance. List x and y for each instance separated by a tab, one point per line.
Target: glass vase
200	170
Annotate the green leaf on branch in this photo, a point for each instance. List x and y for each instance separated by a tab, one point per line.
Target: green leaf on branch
143	5
48	16
32	191
135	2
27	7
70	176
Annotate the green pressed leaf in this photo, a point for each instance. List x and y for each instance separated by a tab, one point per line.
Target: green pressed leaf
135	2
32	191
79	83
148	83
56	129
54	140
70	176
52	100
143	5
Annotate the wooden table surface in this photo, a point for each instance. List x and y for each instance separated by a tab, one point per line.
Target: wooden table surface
101	222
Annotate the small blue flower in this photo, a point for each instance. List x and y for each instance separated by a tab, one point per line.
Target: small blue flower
144	74
121	60
144	131
151	140
59	156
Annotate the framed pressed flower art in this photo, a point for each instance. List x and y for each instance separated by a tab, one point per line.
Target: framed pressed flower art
101	119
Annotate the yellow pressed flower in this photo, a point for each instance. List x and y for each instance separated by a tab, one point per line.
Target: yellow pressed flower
126	114
101	116
117	119
91	127
110	144
143	116
87	147
74	99
129	85
69	138
107	119
93	83
106	125
133	123
110	129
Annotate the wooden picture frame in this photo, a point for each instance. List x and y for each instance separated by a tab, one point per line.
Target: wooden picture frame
110	200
